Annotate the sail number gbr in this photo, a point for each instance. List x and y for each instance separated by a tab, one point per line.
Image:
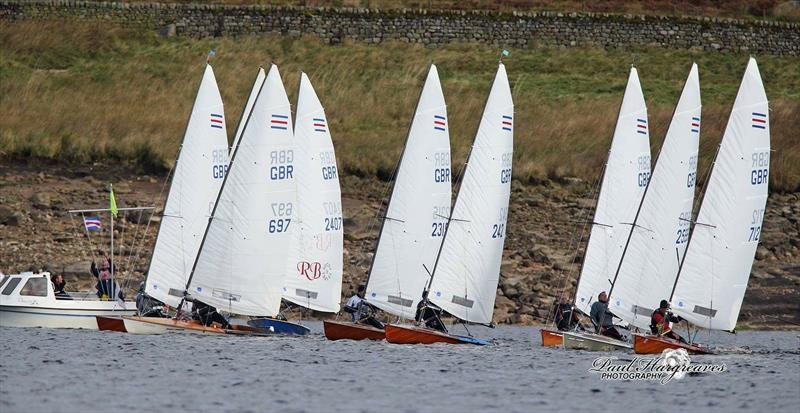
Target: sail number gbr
220	163
505	167
441	163
643	170
280	164
760	168
328	161
282	217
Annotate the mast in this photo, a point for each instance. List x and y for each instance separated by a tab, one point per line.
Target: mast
216	204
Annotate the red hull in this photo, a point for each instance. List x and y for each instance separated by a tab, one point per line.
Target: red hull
656	345
110	324
552	338
417	335
342	330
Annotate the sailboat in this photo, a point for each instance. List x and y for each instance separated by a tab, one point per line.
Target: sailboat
314	268
467	268
710	283
627	172
199	170
415	219
240	263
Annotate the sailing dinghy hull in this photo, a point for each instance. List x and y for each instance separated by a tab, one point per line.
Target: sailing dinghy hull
592	342
191	326
417	335
279	326
551	338
342	330
111	324
656	345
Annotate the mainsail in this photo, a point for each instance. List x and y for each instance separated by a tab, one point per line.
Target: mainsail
626	174
416	217
714	274
314	269
241	264
658	238
248	107
466	273
198	174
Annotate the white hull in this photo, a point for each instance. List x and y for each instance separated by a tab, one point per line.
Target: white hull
139	327
593	342
83	318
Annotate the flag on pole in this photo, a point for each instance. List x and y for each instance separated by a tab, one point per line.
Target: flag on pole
92	223
113	204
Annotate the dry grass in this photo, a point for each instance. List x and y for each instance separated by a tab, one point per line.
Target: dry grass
87	93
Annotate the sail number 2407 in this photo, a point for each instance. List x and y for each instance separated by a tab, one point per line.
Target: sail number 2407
499	229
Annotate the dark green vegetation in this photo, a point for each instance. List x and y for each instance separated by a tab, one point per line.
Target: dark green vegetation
78	93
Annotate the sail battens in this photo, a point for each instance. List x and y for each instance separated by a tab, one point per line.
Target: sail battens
314	267
197	176
413	228
466	274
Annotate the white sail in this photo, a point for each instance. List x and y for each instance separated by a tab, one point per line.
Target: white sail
715	271
242	262
465	278
248	107
626	174
197	176
314	269
415	221
658	241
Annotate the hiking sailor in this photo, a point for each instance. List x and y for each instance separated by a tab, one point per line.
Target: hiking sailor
360	310
429	314
661	321
564	315
602	318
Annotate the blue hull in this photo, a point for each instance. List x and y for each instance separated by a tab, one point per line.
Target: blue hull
473	340
279	326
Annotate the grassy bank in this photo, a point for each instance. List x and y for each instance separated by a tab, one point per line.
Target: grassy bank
86	93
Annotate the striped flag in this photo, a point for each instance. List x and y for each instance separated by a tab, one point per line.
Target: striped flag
319	125
439	122
279	122
507	122
695	124
216	120
759	120
641	126
92	223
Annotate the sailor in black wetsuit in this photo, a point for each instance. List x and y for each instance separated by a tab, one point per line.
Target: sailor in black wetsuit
429	314
207	314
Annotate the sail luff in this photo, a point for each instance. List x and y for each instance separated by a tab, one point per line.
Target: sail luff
198	172
248	106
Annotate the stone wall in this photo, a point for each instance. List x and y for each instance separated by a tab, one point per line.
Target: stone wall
550	29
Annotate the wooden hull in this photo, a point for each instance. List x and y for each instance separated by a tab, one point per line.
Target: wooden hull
279	326
191	326
418	335
592	342
343	330
552	338
111	324
656	345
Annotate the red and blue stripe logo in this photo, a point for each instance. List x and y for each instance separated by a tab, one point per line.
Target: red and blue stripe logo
641	126
319	125
759	120
439	122
216	120
279	122
695	124
507	122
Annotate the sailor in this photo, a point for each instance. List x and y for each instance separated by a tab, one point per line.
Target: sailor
661	322
603	319
147	306
360	310
429	314
207	314
564	316
102	272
